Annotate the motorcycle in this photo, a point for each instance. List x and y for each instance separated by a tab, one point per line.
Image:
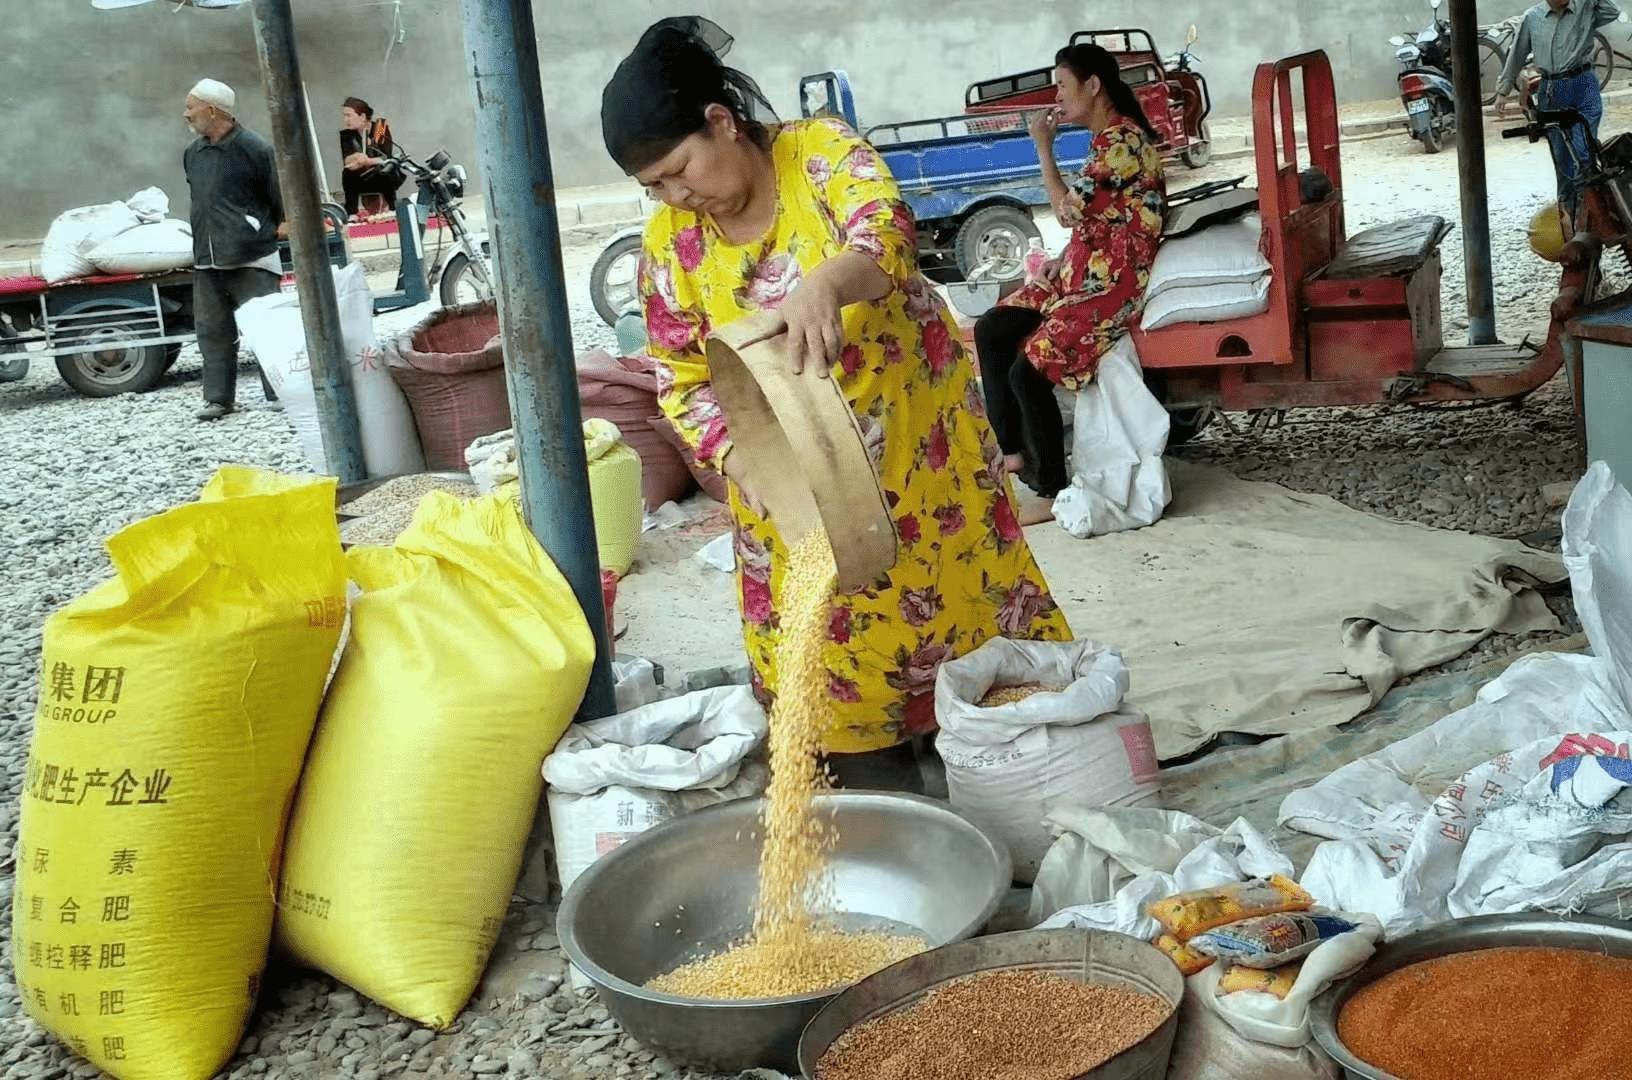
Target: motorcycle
1425	82
467	275
1189	96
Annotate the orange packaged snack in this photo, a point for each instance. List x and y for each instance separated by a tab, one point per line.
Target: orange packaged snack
1186	959
1277	981
1188	914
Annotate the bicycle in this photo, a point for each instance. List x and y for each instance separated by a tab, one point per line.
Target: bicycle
1496	41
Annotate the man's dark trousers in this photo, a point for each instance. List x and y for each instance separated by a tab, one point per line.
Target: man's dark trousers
217	295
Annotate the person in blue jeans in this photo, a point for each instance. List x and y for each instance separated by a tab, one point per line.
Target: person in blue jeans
1559	34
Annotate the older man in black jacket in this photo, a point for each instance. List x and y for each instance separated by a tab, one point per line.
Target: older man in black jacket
237	218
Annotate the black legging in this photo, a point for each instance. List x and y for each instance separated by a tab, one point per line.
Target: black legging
1020	400
372	182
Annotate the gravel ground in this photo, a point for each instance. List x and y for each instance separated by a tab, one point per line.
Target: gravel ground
73	470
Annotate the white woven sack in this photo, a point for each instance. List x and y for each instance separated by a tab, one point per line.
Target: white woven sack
65	251
1217	255
1009	766
1206	303
272	329
146	249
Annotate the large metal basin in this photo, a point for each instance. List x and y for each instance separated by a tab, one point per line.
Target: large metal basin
687	888
1589	934
1081	955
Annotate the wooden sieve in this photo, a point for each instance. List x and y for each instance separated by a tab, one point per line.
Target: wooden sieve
800	442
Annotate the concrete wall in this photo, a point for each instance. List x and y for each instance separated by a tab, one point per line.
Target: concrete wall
92	99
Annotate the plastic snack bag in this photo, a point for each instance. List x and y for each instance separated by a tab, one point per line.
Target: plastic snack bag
1186	959
1270	941
1277	982
1188	914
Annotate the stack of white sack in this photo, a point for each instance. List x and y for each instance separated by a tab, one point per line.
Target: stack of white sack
131	237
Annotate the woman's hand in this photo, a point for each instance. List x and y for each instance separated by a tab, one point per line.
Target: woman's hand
356	161
1044	125
737	472
813	316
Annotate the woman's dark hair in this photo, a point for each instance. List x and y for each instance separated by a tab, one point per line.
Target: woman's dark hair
660	92
1086	61
359	106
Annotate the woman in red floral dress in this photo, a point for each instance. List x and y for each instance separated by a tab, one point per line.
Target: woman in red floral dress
1055	329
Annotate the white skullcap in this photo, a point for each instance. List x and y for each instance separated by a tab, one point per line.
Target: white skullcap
215	93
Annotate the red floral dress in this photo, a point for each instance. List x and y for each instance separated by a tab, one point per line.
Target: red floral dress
1096	288
965	572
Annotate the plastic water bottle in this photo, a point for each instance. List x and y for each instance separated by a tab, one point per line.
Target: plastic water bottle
1036	258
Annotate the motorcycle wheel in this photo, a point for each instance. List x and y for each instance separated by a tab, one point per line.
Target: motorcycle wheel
460	284
1433	136
1200	151
614	287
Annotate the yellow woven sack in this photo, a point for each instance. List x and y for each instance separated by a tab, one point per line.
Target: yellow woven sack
468	655
614	492
176	704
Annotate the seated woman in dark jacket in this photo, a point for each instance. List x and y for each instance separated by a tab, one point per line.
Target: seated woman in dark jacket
366	150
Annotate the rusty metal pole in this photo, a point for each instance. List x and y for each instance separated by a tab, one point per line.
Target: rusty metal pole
545	413
298	184
1470	153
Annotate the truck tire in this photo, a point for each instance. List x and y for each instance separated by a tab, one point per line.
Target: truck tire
994	233
118	368
12	369
614	284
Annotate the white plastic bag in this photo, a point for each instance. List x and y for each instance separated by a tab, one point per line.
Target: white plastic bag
491	460
1598	555
146	249
1537	828
611	780
272	329
1008	766
65	251
1119	480
150	205
1208	1048
634	683
1284	1022
1109	862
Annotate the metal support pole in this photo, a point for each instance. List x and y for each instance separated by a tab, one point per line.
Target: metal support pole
538	361
1470	150
302	205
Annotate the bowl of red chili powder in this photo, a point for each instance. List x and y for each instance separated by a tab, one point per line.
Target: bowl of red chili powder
1498	997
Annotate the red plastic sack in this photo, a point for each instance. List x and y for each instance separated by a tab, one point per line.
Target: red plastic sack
708	479
625	393
451	369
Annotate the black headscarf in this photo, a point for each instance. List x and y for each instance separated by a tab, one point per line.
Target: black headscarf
658	94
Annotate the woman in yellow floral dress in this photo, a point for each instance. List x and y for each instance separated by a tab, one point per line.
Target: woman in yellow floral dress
804	219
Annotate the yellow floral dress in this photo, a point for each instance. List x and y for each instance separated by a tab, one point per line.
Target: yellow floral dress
965	572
